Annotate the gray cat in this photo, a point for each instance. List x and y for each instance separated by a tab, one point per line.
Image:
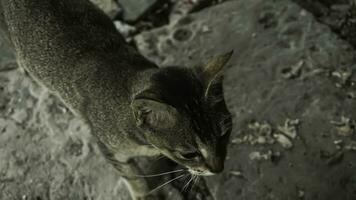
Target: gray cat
133	107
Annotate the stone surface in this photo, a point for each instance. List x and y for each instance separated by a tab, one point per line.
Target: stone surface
7	59
270	39
134	9
110	7
339	15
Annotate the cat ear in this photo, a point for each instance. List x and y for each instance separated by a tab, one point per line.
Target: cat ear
211	71
154	114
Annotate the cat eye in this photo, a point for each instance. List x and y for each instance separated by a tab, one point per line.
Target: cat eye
188	156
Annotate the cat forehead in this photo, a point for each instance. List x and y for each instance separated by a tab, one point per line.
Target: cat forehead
204	152
177	82
206	146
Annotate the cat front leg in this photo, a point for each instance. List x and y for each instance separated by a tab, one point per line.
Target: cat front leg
128	169
138	186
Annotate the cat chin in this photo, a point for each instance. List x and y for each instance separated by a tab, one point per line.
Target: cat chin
201	173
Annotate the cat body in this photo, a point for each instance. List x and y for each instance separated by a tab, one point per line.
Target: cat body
80	67
132	107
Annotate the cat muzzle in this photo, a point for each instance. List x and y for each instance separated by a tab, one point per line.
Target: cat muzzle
201	172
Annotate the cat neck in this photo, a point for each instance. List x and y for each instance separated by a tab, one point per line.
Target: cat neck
141	81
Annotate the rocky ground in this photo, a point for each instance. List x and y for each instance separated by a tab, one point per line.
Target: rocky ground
290	86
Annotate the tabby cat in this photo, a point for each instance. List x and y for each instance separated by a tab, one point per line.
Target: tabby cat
132	107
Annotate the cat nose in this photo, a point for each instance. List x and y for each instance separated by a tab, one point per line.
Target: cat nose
216	166
219	168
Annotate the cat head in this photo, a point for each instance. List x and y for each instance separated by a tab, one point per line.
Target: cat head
183	114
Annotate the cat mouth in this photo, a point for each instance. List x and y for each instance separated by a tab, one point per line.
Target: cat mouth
201	172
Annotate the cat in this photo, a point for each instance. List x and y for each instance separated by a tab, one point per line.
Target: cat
133	108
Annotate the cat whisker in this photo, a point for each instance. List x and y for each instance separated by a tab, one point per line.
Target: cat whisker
158	158
160	174
166	183
185	187
195	180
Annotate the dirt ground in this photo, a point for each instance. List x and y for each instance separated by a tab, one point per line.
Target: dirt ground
290	86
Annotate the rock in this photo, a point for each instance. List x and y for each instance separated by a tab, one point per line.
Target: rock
301	194
236	173
7	57
125	29
283	140
335	158
258	156
110	7
339	144
183	7
345	127
258	133
134	9
339	15
8	66
293	71
237	141
289	128
342	77
351	146
19	115
261	133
